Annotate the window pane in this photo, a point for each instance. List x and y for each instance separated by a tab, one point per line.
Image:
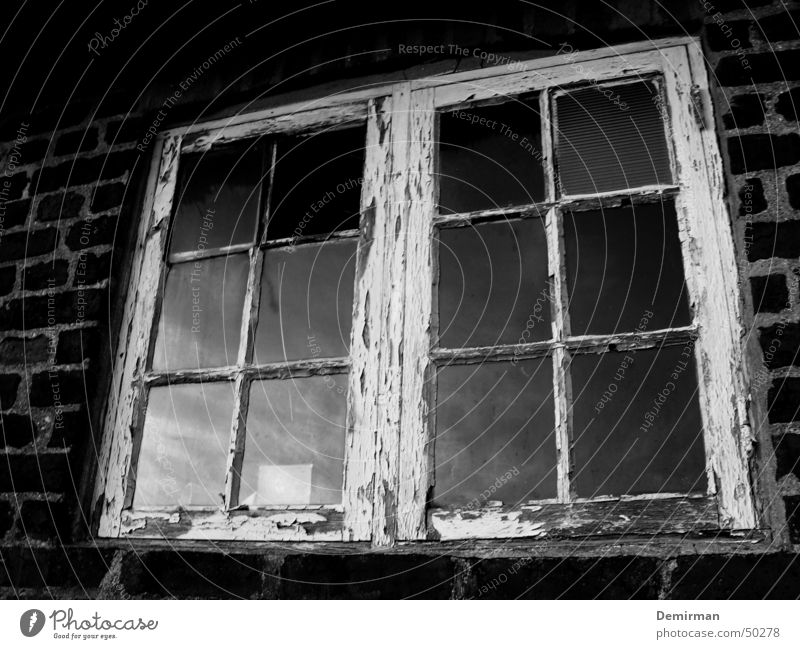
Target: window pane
201	316
294	452
611	137
317	184
625	270
493	284
185	442
306	306
494	433
217	198
490	157
636	422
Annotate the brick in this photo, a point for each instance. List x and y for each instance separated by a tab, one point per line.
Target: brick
82	171
17	430
20	245
126	130
92	232
793	190
15	350
77	142
6	517
8	390
36	472
744	111
75	345
71	428
788	103
46	274
61	206
107	197
767	240
43	520
737	5
33	151
93	269
759	576
787	455
779	27
719	40
68	307
16	212
764	68
14	186
783	401
43	567
751	197
770	293
66	386
792	504
753	152
8	277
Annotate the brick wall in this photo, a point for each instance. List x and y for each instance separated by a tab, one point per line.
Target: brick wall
69	200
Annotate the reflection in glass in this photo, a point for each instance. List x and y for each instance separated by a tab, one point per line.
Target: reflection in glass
294	451
490	157
306	304
494	433
317	186
625	270
201	314
184	447
493	286
611	137
217	198
636	422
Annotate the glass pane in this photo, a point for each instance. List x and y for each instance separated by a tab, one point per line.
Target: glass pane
494	434
490	157
636	422
201	316
317	184
611	137
493	284
294	452
184	451
217	198
306	306
625	270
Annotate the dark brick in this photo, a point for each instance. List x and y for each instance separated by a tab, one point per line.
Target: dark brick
753	152
16	212
46	274
36	472
77	142
93	232
20	245
788	103
366	577
787	454
67	308
719	40
191	574
783	401
781	344
8	390
793	190
33	151
6	517
93	269
18	351
81	171
127	130
72	427
43	520
17	430
14	186
764	68
74	345
68	386
31	567
771	576
8	277
770	293
107	197
737	5
773	240
744	111
780	27
60	207
751	197
792	504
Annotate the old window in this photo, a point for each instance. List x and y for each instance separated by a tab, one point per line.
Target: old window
492	304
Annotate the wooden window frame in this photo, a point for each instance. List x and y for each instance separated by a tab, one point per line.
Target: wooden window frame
390	427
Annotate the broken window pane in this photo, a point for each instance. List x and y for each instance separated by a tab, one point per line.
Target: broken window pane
201	314
184	448
317	186
494	433
490	157
636	423
493	286
611	137
306	303
294	451
625	270
217	198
